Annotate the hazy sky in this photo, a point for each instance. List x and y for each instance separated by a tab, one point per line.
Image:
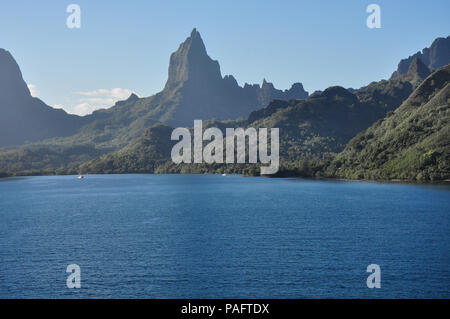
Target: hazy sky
125	46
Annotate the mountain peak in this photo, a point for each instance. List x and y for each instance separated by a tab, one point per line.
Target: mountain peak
267	85
191	63
339	93
296	92
195	88
417	67
133	97
195	33
12	84
434	57
417	72
24	118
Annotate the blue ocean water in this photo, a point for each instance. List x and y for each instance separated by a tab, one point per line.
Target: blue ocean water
209	236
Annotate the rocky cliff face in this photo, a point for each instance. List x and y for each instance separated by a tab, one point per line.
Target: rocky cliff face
24	118
417	72
190	63
12	84
195	89
434	57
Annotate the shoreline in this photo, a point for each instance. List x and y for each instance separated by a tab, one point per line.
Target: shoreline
391	181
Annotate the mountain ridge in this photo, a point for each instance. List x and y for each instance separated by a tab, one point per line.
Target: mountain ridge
434	57
315	128
24	118
195	89
129	137
412	143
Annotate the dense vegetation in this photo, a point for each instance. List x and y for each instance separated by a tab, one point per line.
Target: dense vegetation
312	132
41	159
337	133
412	143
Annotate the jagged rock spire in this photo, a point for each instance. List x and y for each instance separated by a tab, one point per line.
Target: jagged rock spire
417	67
192	63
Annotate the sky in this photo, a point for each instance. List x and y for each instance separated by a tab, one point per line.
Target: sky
124	46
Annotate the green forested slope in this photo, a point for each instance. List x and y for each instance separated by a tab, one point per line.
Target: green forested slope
411	143
312	132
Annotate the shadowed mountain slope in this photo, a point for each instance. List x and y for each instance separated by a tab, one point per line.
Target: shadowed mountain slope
195	89
412	143
314	128
434	57
24	118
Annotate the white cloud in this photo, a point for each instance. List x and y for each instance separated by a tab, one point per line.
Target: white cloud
98	99
84	109
104	101
33	89
116	93
58	106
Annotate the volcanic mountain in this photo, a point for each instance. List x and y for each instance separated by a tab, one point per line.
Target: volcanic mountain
195	89
24	118
434	57
411	143
134	134
204	94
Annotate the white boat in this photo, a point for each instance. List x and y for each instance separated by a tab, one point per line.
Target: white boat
224	174
80	176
